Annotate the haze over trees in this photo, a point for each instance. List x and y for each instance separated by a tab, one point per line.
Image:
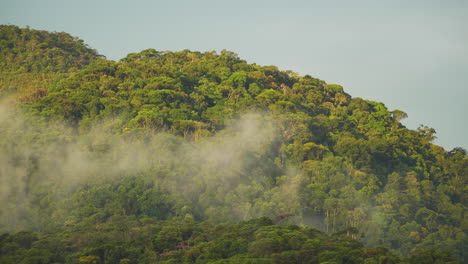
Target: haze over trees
191	157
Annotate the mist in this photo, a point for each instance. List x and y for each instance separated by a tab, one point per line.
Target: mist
226	171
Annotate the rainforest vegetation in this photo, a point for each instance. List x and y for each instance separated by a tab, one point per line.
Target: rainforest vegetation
201	157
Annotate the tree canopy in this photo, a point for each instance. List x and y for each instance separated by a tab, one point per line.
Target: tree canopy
186	157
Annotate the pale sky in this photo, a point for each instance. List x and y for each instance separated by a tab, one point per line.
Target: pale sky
410	55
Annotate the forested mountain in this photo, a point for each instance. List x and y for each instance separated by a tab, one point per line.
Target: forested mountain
191	157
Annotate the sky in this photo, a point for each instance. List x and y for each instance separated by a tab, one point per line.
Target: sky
410	55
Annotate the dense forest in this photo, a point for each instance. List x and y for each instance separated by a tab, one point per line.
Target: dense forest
201	157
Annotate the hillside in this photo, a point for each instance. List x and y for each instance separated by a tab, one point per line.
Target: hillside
33	60
167	142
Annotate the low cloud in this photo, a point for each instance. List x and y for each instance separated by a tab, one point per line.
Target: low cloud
233	169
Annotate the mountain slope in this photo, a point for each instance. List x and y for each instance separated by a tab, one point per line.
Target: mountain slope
32	60
214	137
